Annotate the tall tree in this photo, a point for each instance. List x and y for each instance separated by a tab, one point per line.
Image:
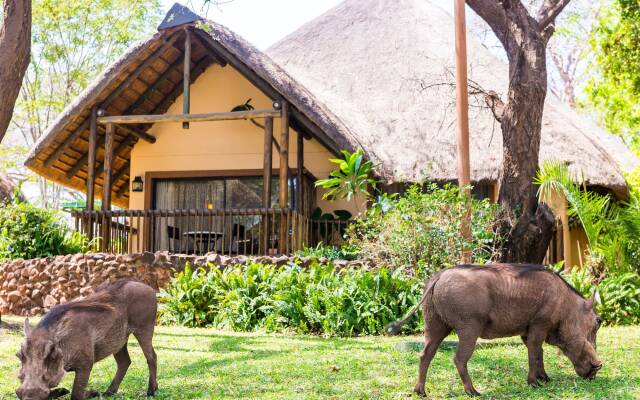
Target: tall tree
526	225
615	91
15	42
73	41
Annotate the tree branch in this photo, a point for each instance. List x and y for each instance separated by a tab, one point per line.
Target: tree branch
493	13
548	12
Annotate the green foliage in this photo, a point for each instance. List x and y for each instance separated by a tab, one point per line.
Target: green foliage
290	298
30	232
616	91
353	176
612	229
618	296
420	230
72	42
331	253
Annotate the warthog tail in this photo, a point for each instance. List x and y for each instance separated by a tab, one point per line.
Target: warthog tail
394	327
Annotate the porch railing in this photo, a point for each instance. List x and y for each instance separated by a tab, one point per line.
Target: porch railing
259	231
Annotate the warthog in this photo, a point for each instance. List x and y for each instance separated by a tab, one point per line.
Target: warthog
75	335
500	300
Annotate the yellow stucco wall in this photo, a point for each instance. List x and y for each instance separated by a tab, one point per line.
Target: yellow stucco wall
574	238
221	145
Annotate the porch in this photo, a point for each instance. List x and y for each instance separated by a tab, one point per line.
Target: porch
256	231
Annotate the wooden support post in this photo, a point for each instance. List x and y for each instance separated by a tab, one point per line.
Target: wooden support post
268	160
300	174
107	181
186	81
91	159
266	182
284	174
462	107
91	164
284	157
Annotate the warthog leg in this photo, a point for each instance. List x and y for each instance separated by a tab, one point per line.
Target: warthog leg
123	360
144	337
534	341
80	382
467	339
434	333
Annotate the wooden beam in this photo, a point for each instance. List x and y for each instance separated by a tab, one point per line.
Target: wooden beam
108	167
123	145
267	163
140	134
82	161
186	79
157	118
112	96
91	158
284	156
120	172
177	89
123	188
154	87
299	172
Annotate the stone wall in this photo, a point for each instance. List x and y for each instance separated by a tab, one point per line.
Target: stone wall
32	287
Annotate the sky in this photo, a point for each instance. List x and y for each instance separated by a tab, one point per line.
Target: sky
248	17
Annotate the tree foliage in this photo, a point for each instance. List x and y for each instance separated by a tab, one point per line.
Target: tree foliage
615	92
73	41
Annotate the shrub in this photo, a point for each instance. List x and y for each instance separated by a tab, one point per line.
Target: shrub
618	296
289	298
331	253
30	232
420	231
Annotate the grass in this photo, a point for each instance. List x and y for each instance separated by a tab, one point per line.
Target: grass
210	364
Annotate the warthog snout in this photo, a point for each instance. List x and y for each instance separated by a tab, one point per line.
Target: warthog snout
32	393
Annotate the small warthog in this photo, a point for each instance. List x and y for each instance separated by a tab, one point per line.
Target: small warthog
75	335
500	300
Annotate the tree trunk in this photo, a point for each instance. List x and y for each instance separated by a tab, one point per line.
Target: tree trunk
15	46
525	226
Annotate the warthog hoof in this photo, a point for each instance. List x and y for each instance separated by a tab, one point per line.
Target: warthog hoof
58	392
419	389
472	392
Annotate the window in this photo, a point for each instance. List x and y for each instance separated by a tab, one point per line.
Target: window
214	193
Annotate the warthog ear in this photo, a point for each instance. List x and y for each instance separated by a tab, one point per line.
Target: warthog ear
27	327
591	302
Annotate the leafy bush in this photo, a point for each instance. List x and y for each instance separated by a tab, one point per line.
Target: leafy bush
30	232
612	228
618	296
331	253
420	230
289	298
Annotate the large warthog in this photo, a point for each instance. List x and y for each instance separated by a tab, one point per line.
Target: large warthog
500	300
75	335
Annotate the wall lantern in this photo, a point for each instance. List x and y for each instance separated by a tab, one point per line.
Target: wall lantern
137	185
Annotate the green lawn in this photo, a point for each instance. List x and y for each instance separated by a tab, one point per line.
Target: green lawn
210	364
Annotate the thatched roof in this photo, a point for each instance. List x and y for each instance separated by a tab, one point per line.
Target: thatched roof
61	153
385	68
374	75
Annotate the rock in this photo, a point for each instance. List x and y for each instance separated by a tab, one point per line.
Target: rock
49	301
14	296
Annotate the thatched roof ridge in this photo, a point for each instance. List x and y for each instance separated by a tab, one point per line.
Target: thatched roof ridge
386	70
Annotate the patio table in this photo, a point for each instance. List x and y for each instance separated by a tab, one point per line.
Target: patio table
204	239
